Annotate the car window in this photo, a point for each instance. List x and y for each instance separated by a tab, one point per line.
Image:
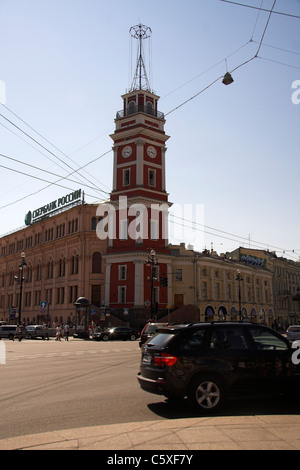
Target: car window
159	340
233	338
193	339
294	329
265	339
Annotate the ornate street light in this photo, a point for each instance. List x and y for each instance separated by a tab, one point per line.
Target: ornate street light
21	279
152	262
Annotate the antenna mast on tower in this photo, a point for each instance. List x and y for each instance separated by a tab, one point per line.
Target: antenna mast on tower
140	80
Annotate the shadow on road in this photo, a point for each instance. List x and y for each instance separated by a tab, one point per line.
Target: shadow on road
282	405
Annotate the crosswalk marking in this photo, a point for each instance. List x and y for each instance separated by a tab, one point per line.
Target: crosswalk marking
49	355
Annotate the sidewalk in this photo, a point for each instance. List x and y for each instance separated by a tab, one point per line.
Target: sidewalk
263	432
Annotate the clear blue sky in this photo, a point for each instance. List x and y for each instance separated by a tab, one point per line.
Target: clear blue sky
233	149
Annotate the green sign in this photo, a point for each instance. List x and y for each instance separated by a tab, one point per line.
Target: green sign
47	209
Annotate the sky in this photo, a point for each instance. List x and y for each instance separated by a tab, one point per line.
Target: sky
232	161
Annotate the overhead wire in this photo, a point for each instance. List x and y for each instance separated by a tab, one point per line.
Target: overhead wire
261	9
197	94
41	145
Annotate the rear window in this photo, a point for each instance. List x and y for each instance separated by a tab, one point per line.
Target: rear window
160	340
151	329
294	329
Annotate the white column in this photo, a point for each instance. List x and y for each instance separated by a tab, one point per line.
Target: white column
107	283
163	168
139	162
138	283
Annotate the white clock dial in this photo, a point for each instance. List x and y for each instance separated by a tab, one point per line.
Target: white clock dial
127	151
151	152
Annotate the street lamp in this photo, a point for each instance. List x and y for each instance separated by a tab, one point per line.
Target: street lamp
21	279
152	262
239	279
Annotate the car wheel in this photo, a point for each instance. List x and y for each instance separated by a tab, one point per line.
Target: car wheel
105	338
206	393
132	338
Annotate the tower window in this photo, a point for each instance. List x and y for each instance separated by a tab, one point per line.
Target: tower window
152	178
122	272
126	177
154	230
121	294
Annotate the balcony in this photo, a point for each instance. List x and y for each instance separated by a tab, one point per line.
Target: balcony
140	109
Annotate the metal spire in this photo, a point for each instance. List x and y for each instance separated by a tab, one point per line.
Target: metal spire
140	80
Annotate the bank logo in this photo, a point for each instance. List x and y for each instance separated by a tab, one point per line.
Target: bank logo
2	353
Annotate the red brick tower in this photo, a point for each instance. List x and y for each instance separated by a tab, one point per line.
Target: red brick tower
138	255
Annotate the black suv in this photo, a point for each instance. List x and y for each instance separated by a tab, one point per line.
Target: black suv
117	332
208	361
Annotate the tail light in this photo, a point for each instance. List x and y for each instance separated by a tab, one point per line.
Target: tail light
164	360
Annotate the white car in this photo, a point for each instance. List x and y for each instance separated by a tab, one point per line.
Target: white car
293	332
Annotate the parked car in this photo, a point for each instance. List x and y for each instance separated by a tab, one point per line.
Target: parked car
117	332
37	331
206	362
10	331
293	333
149	330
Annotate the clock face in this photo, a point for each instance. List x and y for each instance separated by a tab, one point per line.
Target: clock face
151	151
127	151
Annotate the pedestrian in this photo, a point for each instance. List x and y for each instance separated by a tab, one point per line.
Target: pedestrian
19	332
66	332
57	333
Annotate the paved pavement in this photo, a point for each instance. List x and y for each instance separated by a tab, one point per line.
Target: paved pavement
257	432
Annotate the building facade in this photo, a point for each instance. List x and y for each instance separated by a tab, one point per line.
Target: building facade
63	257
219	287
286	281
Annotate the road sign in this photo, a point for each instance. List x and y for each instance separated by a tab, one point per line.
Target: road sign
43	304
42	311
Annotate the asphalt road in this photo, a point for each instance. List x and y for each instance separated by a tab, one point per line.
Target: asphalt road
51	385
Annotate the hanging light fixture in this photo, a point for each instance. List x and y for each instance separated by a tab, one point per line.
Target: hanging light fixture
227	79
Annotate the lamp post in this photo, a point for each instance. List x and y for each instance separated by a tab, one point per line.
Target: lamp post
21	279
152	262
239	279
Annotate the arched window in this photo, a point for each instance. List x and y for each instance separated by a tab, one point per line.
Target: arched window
74	263
96	262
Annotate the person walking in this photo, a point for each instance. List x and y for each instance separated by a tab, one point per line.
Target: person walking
66	329
58	333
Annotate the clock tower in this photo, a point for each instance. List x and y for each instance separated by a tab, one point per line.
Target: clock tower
138	258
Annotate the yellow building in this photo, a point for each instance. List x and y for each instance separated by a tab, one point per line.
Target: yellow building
286	281
220	287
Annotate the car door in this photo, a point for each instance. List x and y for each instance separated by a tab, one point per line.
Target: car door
232	351
273	358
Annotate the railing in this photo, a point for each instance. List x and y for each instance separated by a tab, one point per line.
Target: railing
139	109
